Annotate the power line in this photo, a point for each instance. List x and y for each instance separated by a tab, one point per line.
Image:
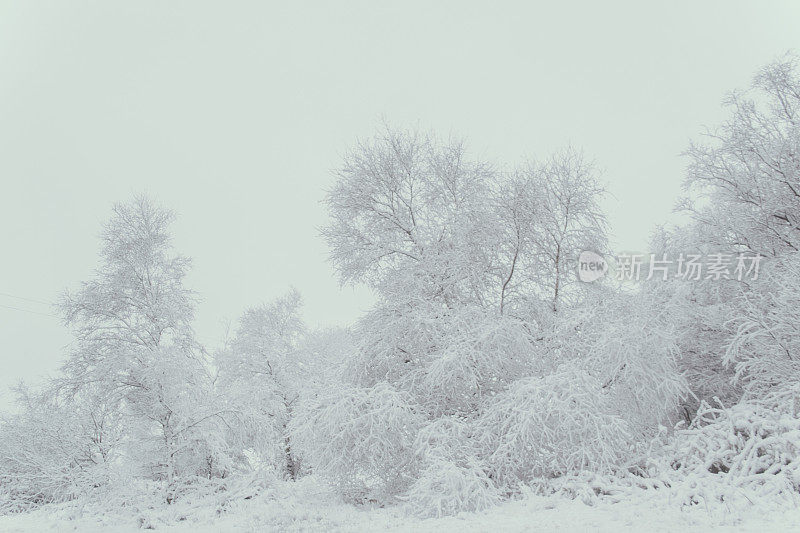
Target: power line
27	311
34	300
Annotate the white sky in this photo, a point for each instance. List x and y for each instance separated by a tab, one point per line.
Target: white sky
233	114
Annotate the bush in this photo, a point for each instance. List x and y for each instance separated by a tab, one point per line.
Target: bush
765	349
447	487
360	439
45	457
552	426
745	446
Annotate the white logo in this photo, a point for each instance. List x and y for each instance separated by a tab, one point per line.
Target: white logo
591	266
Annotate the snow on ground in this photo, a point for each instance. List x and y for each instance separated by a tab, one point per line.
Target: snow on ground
308	506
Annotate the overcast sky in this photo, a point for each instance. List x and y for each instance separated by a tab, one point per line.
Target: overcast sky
233	114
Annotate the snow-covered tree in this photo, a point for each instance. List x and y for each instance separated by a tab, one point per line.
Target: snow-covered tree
135	346
765	349
749	171
261	375
411	211
408	203
743	184
548	213
700	311
477	310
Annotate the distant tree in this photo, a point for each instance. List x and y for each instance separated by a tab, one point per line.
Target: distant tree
261	375
549	212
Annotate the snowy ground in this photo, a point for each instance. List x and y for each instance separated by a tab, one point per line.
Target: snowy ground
307	506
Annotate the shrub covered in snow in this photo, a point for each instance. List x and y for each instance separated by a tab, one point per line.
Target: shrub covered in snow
448	359
744	446
51	452
447	487
765	351
551	426
359	438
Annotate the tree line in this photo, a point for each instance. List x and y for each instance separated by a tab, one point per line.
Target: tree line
484	366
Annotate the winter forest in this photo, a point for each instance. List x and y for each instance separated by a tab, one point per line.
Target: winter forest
488	382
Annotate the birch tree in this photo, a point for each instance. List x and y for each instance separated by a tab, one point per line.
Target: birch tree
135	344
